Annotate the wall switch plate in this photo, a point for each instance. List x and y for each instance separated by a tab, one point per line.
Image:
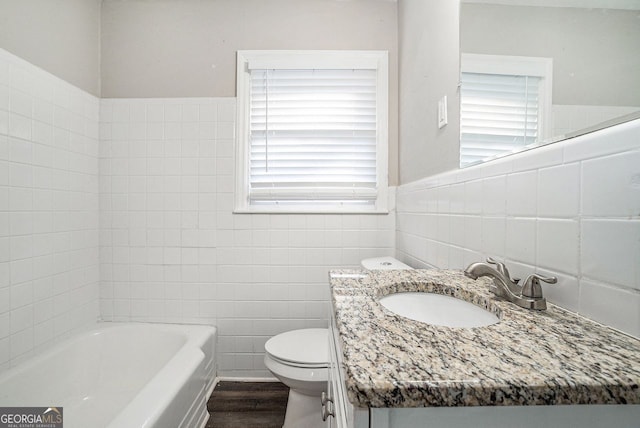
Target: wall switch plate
442	112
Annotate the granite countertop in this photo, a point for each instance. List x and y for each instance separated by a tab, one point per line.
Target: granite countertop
528	358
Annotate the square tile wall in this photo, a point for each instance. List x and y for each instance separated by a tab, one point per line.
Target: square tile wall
570	209
48	209
171	249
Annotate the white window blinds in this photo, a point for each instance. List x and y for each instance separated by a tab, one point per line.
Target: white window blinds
499	114
312	136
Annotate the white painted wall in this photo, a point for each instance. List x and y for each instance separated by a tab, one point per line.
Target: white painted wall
572	118
61	36
429	69
48	209
171	249
570	209
187	48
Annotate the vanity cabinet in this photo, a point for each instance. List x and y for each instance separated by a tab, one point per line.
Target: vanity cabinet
399	365
345	415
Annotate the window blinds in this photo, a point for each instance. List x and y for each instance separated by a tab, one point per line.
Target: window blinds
312	136
499	114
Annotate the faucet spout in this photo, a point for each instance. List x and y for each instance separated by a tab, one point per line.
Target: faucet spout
502	282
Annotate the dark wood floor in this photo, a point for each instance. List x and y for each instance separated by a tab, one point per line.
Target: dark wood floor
247	405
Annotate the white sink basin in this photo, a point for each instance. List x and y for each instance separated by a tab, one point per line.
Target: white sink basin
438	309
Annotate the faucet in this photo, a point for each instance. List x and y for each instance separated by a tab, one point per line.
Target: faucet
528	296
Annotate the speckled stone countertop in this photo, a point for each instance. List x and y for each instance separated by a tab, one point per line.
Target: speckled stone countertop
528	358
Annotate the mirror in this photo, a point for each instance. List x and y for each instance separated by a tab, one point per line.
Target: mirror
594	49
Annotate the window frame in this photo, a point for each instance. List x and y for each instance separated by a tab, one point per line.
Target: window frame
260	59
516	66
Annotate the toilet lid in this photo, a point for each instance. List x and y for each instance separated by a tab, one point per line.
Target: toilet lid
301	347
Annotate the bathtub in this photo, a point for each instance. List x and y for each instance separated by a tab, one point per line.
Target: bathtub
120	376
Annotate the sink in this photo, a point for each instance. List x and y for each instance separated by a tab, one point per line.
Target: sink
438	309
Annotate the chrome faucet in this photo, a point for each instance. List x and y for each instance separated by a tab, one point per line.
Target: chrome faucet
528	296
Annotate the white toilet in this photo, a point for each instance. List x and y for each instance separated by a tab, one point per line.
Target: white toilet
383	263
300	360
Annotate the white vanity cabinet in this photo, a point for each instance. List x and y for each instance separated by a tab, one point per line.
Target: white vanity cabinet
345	415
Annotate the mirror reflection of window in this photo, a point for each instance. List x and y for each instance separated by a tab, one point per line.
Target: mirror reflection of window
504	105
593	44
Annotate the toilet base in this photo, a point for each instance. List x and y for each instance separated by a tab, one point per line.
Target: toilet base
303	411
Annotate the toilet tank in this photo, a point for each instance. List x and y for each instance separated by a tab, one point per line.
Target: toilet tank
384	263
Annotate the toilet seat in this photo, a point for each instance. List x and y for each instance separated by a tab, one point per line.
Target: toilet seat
306	348
298	364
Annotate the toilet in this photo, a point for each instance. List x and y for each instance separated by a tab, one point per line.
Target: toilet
300	360
384	263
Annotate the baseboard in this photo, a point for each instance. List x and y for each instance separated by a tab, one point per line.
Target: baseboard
244	379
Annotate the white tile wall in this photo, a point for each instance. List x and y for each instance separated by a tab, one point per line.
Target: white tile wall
155	228
48	209
571	210
173	251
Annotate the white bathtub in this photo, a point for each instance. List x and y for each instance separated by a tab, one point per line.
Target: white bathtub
121	376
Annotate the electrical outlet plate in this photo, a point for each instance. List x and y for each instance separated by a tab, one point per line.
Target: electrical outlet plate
442	112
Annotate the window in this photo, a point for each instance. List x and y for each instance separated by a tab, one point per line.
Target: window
504	105
312	131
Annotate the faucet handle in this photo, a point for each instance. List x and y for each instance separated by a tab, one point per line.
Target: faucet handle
532	288
502	268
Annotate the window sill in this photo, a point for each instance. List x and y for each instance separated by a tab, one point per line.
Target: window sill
310	210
